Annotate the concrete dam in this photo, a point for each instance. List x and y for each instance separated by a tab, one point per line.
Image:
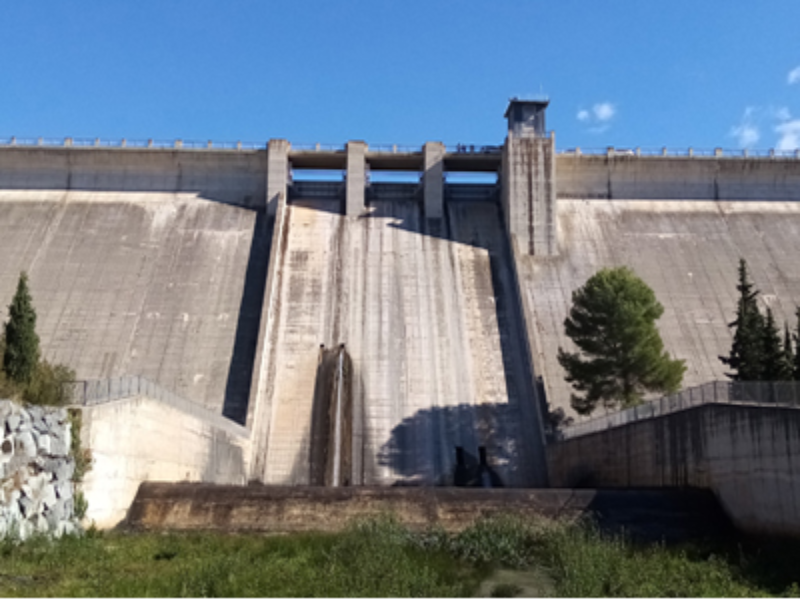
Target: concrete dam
395	334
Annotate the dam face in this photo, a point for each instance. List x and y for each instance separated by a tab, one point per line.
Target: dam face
218	274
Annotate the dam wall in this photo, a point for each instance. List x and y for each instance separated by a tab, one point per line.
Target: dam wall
155	437
687	251
160	284
746	454
427	312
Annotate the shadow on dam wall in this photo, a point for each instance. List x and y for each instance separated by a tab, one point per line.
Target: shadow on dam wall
240	373
518	374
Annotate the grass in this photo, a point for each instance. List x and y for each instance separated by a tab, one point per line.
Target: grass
381	558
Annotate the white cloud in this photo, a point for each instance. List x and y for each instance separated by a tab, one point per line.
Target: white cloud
746	135
598	117
746	132
794	76
604	111
790	135
782	114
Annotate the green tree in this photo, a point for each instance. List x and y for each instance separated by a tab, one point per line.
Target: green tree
775	368
746	359
788	354
21	354
612	322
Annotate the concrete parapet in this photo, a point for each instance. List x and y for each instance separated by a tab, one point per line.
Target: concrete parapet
356	178
625	176
433	179
235	178
277	173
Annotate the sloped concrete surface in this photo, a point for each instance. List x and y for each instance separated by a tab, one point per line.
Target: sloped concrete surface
140	283
687	251
426	313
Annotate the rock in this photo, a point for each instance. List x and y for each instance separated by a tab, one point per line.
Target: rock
65	528
26	506
37	418
65	470
6	408
25	444
64	490
12	423
25	529
59	446
52	421
48	495
7	449
40	523
44	443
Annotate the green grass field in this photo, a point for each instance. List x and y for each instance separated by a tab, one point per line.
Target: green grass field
381	558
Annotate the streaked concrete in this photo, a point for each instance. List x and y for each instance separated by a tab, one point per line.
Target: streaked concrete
152	284
687	251
428	316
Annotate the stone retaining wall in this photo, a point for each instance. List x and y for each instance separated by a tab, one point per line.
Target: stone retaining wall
36	469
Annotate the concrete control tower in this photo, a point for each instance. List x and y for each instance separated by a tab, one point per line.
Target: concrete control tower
528	179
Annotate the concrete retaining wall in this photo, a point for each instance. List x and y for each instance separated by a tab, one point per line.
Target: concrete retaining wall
36	469
747	455
140	439
654	515
618	177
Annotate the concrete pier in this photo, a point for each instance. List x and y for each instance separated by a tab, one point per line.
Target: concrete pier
433	178
356	178
277	173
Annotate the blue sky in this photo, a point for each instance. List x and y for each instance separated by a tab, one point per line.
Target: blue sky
677	74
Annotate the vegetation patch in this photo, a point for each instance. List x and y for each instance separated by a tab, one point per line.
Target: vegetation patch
381	558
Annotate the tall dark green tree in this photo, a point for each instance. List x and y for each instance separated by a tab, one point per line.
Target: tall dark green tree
796	336
788	353
21	355
775	368
746	358
612	322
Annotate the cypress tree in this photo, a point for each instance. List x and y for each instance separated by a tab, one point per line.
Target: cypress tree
774	366
788	354
797	346
612	321
746	358
21	353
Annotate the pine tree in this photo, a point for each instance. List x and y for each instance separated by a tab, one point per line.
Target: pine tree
21	354
747	351
612	321
774	366
796	336
788	354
